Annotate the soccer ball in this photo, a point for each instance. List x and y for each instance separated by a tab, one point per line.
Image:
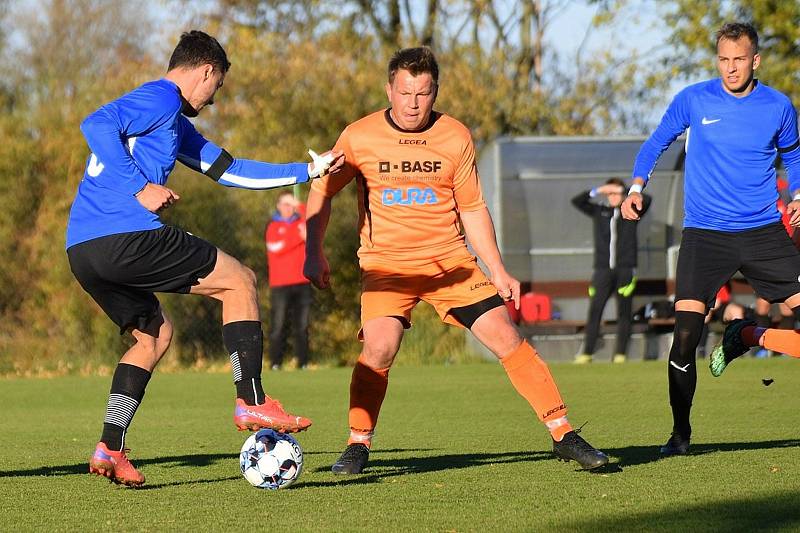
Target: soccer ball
271	460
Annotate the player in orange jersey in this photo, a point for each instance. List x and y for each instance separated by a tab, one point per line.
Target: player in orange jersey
418	186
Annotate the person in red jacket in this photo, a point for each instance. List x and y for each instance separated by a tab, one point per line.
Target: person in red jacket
290	291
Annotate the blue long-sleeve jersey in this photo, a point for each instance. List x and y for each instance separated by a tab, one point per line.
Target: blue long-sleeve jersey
136	139
731	146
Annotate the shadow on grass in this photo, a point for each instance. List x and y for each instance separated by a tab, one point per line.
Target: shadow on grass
380	468
150	486
83	467
638	455
764	512
175	460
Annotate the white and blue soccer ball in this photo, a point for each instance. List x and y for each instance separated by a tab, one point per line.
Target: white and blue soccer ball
271	460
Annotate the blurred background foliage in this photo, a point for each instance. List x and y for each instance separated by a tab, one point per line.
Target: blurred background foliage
302	70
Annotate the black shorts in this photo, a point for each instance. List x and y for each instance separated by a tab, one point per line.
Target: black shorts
765	256
121	272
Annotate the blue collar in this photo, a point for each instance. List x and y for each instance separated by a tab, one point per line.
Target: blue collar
276	217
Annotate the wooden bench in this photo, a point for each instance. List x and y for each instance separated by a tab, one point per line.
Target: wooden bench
572	327
560	339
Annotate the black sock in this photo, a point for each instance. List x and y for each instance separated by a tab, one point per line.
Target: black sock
127	391
763	321
682	371
245	343
787	322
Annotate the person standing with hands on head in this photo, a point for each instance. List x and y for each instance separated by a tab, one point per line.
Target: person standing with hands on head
290	291
615	251
418	185
738	126
121	253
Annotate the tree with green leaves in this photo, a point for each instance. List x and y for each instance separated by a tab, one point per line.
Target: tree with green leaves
695	23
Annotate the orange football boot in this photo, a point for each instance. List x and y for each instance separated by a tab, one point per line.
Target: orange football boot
269	414
115	466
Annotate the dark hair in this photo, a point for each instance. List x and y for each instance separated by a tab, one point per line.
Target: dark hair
197	48
415	60
733	31
616	181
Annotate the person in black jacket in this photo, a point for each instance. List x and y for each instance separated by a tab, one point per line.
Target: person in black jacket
615	250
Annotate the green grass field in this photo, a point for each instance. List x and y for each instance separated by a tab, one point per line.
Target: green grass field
457	450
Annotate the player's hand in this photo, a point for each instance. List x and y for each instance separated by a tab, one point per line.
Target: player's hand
507	286
338	162
793	210
632	206
317	271
329	162
156	197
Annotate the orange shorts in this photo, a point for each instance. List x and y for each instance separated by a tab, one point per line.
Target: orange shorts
389	291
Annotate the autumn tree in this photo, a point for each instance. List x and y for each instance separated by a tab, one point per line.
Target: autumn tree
778	24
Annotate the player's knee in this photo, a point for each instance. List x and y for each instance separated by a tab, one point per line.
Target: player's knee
147	348
248	278
164	339
506	340
688	328
244	279
379	353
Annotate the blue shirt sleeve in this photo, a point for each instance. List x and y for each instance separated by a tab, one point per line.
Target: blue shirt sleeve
673	123
198	153
788	145
108	130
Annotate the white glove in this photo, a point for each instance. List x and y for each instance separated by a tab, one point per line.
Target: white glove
319	165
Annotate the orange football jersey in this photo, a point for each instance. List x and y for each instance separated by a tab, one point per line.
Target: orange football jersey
411	187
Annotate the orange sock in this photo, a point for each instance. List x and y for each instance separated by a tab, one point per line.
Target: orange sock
786	341
532	379
367	391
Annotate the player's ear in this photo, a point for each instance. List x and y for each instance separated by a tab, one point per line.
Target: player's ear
388	91
435	91
756	61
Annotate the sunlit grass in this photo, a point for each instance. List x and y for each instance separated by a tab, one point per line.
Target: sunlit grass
457	450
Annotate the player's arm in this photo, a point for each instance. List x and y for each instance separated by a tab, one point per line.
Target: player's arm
202	155
318	213
788	145
479	229
477	222
673	123
111	131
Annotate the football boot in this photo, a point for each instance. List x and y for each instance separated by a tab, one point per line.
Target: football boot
115	466
269	414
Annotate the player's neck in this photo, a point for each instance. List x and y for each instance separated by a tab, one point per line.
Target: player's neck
744	91
187	81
